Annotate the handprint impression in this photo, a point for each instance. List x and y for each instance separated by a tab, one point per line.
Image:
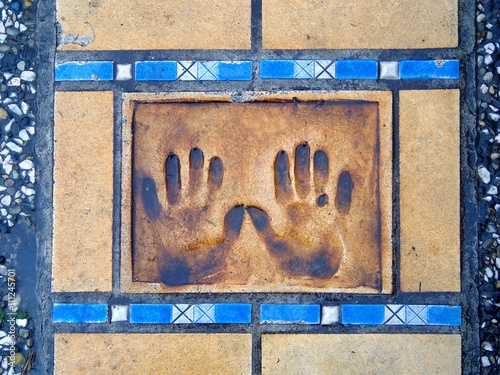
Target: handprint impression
191	247
308	247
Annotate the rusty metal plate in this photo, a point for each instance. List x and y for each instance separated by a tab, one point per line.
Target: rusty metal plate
257	196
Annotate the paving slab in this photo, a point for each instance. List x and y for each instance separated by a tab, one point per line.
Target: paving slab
83	191
379	24
360	353
430	156
172	24
153	353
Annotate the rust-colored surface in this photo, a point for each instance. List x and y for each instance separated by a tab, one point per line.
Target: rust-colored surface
257	196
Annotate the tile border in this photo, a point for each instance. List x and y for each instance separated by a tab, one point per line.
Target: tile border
269	313
213	70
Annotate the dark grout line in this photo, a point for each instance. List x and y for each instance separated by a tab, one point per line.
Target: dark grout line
396	229
256	34
117	169
257	84
256	53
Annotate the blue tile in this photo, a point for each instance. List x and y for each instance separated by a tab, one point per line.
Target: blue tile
155	70
283	314
356	69
151	313
233	313
428	69
277	69
79	313
235	70
444	315
363	314
85	71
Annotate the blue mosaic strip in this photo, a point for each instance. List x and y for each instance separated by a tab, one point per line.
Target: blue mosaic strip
401	315
79	313
285	314
224	313
193	70
286	69
151	313
356	69
212	313
429	69
84	71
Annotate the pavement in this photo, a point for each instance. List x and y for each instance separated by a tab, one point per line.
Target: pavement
249	187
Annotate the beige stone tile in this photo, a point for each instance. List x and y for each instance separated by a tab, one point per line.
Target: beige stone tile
333	24
429	133
143	25
356	354
359	143
83	191
153	354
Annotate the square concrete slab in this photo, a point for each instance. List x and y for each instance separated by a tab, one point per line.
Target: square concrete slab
262	195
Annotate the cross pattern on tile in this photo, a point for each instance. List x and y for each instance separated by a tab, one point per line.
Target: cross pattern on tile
405	315
303	69
187	70
324	69
206	70
185	313
394	314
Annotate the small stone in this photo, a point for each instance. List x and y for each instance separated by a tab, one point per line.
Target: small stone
28	191
9	182
21	322
485	361
3	114
6	200
489	48
29	343
25	333
15	109
15	210
493	190
484	175
492	90
23	134
488	77
19	359
493	116
13	147
483	89
26	164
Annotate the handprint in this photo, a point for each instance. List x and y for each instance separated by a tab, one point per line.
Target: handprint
191	244
308	247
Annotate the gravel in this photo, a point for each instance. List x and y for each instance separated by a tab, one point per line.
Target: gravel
488	64
17	112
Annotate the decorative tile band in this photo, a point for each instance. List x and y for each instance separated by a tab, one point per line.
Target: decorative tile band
285	314
269	69
401	315
193	70
359	69
237	313
79	313
241	313
84	71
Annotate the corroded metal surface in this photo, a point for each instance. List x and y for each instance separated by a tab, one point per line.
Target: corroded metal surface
257	196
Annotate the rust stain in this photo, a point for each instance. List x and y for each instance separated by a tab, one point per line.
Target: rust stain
264	194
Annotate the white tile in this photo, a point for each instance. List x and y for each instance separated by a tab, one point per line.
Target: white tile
330	315
123	72
119	313
389	70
